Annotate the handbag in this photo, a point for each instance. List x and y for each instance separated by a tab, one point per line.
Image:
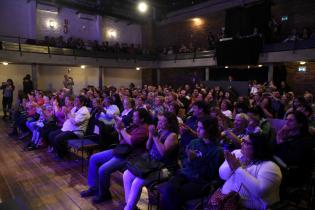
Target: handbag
122	150
220	201
143	165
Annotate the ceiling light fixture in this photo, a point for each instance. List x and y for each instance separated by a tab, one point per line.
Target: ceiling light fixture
143	7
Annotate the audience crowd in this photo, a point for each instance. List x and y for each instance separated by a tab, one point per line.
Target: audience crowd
80	44
193	135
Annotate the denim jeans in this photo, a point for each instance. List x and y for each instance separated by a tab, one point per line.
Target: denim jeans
133	188
101	166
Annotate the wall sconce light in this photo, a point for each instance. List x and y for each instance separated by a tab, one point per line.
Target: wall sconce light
52	24
302	62
138	68
302	69
197	22
82	66
111	33
5	63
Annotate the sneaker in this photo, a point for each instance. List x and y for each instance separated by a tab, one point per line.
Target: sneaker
89	192
102	198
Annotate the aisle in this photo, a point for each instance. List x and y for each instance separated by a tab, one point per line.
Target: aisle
36	180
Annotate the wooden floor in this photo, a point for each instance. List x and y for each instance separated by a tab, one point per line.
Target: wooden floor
36	180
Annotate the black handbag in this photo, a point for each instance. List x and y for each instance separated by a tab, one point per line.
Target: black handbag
143	165
122	150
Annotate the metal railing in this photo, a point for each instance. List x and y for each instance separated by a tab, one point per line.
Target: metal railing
24	45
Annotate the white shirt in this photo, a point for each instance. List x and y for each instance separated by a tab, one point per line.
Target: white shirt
258	185
78	121
227	113
110	112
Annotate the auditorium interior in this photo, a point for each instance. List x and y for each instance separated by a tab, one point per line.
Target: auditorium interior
157	104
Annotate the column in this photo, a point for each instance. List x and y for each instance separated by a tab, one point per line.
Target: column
270	72
158	76
34	75
207	73
100	77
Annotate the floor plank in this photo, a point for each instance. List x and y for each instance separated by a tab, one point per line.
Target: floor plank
34	178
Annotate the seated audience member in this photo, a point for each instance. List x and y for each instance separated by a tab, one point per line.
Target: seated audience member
74	127
188	130
294	146
226	108
103	164
108	112
238	131
293	36
129	106
264	125
250	172
161	147
200	165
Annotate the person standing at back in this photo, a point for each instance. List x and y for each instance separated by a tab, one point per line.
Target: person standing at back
27	84
8	88
68	83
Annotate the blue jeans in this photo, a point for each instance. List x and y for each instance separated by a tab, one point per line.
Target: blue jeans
101	166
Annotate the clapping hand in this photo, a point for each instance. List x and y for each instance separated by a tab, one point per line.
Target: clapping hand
233	162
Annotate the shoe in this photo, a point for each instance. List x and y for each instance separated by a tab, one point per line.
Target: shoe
102	198
89	192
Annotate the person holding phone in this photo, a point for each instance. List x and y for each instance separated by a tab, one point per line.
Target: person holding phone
7	100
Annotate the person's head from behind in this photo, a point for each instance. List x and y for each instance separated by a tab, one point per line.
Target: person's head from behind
200	109
66	76
168	121
208	128
256	148
297	123
140	116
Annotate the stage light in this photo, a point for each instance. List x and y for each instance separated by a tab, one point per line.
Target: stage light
260	65
143	7
226	67
137	68
82	66
5	63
